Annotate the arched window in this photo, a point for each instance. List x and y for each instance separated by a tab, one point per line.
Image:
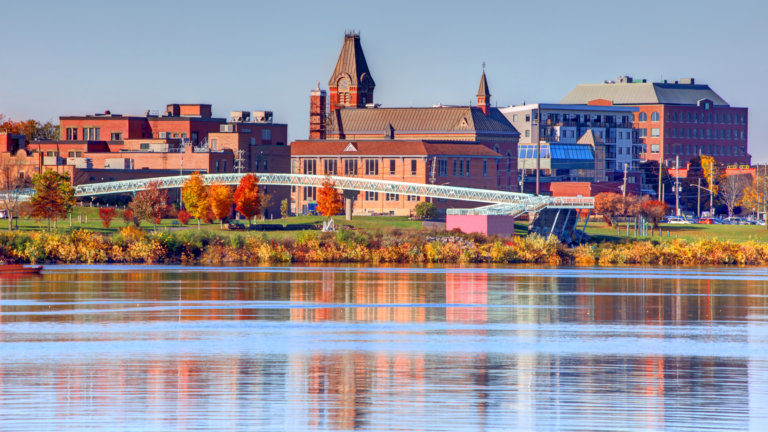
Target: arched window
743	121
674	117
509	161
655	116
643	117
688	118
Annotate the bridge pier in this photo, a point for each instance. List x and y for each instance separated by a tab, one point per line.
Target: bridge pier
349	196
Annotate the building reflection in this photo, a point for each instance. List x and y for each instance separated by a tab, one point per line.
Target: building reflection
350	388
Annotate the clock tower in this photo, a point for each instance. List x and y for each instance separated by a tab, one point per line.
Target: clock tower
351	85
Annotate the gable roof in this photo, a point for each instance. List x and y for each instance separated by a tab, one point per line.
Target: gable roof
432	120
390	148
351	61
643	94
590	137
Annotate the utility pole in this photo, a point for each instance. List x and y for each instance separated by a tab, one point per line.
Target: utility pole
711	195
538	147
698	200
661	191
624	189
677	185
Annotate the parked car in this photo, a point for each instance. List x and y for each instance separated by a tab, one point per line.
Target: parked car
737	221
709	221
677	220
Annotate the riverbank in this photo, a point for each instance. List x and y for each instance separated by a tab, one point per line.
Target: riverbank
133	245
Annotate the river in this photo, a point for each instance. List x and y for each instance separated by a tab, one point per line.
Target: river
393	348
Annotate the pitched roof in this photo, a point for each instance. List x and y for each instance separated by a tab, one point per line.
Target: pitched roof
483	90
389	148
590	137
433	120
352	61
643	93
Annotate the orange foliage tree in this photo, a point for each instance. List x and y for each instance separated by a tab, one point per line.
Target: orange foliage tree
247	200
609	205
106	215
329	200
654	211
220	201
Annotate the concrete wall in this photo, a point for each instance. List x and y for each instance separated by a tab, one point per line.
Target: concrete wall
488	225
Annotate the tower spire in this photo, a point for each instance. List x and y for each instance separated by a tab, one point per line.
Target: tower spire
484	95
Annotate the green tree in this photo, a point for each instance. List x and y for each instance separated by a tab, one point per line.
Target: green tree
426	210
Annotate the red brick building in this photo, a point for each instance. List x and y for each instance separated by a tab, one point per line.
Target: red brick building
679	118
456	163
347	115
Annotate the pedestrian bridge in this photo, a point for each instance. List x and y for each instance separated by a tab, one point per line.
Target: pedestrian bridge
500	202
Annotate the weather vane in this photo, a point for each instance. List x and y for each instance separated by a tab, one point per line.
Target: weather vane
483	66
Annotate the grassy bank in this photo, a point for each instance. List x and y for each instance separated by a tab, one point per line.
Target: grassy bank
392	245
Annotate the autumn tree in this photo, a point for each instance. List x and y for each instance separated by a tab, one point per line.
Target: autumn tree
247	199
284	208
732	190
329	200
107	214
53	198
195	196
756	195
266	201
33	129
14	176
150	204
184	217
712	171
609	205
220	201
654	211
129	216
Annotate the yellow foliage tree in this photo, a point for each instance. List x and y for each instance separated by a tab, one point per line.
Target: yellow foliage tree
756	195
220	200
712	170
195	196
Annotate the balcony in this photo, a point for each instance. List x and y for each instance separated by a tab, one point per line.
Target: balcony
562	123
609	140
610	155
550	138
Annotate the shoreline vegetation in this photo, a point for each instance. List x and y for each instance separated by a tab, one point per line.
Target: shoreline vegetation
393	245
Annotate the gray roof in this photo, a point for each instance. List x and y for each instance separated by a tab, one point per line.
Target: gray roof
643	94
352	62
442	119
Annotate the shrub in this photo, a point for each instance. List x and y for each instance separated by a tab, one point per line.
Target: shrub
184	217
426	210
303	237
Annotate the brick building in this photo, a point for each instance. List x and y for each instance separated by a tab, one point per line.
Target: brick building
679	118
347	115
458	164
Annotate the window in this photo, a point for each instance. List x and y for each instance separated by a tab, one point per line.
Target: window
117	136
743	152
75	154
674	133
643	117
666	133
224	166
674	117
256	165
716	116
253	141
392	167
655	132
695	134
217	166
688	118
392	197
709	133
654	148
371	196
371	167
144	146
413	167
183	135
266	134
743	119
213	143
330	166
687	149
293	189
455	167
309	193
72	134
709	150
730	118
514	117
92	134
527	133
461	167
467	167
442	167
642	133
743	135
309	166
265	169
350	166
655	116
728	134
631	117
729	150
509	162
528	117
413	197
667	116
485	168
175	135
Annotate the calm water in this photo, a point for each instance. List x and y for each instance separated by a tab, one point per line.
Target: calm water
356	348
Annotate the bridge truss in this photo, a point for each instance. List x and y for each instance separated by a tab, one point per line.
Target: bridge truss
501	202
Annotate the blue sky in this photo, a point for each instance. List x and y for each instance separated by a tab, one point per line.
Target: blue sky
78	57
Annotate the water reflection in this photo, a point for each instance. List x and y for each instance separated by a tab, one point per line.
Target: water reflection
387	349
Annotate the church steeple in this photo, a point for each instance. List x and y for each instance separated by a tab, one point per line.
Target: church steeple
351	84
484	95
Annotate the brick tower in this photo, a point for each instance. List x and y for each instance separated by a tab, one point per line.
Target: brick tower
317	113
484	95
351	84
